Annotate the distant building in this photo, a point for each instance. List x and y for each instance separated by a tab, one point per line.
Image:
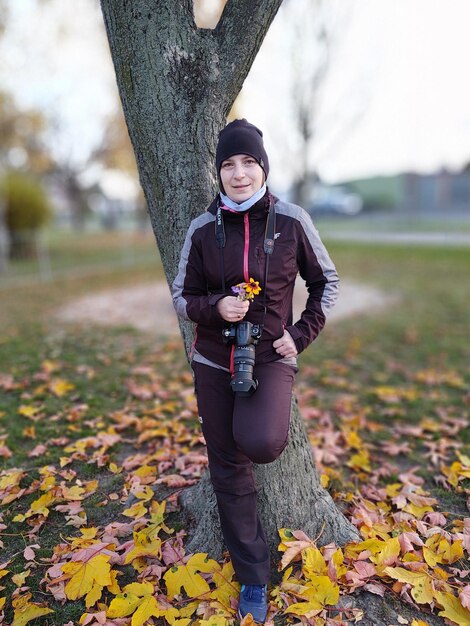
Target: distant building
439	192
334	199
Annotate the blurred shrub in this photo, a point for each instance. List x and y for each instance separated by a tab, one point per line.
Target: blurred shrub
27	208
379	202
26	204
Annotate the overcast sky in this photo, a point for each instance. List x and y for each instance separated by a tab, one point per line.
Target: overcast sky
397	96
399	75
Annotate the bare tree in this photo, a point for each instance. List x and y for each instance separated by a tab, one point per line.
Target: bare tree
311	52
313	49
177	83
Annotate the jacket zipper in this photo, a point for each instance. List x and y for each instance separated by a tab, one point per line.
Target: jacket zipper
247	247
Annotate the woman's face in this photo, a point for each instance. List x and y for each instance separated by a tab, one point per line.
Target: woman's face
241	177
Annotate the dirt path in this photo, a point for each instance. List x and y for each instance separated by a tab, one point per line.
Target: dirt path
148	307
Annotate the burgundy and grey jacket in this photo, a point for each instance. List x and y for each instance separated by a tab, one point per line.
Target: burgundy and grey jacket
297	249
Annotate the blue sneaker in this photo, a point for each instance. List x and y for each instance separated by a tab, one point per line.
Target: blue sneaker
253	599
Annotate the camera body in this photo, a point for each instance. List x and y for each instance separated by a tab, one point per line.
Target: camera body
245	336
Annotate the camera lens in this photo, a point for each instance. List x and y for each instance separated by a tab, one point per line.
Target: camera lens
245	335
243	382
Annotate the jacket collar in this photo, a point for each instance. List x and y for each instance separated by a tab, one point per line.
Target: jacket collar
257	211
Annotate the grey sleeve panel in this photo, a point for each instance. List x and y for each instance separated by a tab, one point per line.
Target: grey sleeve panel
331	291
179	302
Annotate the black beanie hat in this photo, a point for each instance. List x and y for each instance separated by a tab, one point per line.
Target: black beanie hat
241	137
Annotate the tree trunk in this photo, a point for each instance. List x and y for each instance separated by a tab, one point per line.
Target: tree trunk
177	84
290	496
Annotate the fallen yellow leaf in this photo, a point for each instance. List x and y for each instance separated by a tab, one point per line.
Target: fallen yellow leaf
28	410
307	609
353	440
60	387
84	575
25	611
148	608
215	620
145	494
124	604
324	480
313	563
371	545
93	595
418	511
49	366
19	579
30	432
453	610
421	583
38	507
323	590
136	510
388	554
144	545
360	461
438	550
226	589
186	576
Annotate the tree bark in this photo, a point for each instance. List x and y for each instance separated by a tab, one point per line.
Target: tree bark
177	84
290	496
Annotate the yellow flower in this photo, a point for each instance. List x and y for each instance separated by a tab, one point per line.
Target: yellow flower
247	291
252	288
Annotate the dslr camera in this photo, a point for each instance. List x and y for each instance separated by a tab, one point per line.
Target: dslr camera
245	336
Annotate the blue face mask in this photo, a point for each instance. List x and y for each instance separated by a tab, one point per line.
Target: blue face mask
247	204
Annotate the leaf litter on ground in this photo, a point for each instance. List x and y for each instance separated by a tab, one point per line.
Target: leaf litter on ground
134	569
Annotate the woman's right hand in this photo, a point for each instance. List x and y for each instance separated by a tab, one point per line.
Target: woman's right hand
231	309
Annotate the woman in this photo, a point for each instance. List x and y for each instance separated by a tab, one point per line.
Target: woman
248	237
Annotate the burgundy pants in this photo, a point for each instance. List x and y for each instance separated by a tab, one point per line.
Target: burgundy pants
239	432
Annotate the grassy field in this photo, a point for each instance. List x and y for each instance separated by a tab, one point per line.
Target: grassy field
393	222
58	253
397	379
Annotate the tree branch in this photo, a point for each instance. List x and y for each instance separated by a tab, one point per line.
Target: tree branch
239	34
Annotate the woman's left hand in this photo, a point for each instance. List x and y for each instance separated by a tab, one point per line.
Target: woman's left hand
285	345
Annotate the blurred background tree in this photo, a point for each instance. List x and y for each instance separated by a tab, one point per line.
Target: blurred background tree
35	140
27	209
310	57
22	131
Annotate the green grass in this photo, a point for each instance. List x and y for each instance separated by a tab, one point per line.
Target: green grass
426	330
27	309
424	335
393	222
64	253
